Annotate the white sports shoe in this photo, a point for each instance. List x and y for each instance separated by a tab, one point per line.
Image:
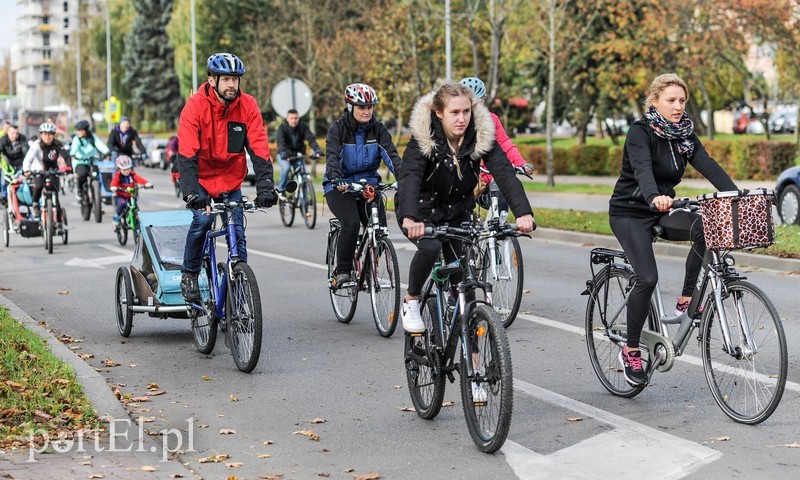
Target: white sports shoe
412	320
479	394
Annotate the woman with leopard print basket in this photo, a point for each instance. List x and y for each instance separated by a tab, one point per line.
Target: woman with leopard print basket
657	150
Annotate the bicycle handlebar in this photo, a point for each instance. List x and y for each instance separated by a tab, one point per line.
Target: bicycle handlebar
517	170
381	187
492	229
683	203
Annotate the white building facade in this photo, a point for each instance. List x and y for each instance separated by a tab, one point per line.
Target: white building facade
44	29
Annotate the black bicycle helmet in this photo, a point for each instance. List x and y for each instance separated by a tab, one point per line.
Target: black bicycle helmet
82	125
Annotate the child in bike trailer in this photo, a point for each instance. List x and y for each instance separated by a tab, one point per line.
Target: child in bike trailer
657	149
13	148
44	155
124	177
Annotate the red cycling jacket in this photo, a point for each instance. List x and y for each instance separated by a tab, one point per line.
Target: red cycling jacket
122	182
212	138
508	147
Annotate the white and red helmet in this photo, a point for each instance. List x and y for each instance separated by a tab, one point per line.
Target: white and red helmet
360	94
124	162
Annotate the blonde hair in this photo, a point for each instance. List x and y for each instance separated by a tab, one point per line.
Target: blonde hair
660	83
449	90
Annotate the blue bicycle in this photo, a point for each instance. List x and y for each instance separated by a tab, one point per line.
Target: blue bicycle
230	298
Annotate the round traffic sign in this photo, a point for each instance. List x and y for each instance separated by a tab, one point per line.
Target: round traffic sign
291	93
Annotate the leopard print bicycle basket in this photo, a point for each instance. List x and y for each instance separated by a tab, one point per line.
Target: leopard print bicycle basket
738	220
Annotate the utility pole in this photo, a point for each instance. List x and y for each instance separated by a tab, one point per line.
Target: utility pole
79	108
194	53
108	60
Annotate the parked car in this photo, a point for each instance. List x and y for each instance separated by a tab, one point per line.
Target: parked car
787	193
155	153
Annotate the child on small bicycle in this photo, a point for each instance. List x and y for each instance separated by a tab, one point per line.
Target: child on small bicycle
124	177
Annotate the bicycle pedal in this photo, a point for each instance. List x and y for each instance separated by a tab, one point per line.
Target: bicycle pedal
416	334
479	403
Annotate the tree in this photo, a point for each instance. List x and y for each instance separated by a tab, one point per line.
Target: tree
150	63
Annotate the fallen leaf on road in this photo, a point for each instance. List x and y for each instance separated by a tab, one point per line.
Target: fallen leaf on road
63	292
786	445
407	409
234	399
318	420
110	363
203	425
349	470
176	475
152	386
324	474
139	399
155	393
234	464
215	458
132	365
95	475
722	438
308	433
264	455
271	476
227	431
86	356
398	386
526	290
75	347
147	419
448	404
206	378
87	463
148	468
6	289
268	442
575	419
367	476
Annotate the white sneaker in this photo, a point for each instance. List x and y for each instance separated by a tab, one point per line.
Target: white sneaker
412	320
479	394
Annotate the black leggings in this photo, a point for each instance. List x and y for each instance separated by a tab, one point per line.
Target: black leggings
351	212
636	237
426	256
82	171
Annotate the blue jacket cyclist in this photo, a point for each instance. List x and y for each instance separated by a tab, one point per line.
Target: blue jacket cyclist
355	146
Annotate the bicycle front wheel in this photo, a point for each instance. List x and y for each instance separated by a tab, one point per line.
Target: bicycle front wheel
308	204
502	267
343	299
64	227
603	339
488	395
7	226
245	322
97	204
426	381
122	229
135	226
384	286
86	202
748	381
286	209
49	220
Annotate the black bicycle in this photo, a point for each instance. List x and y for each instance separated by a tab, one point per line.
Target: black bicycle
53	218
129	218
471	327
91	195
304	198
375	266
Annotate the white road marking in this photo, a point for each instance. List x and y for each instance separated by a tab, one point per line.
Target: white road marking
123	257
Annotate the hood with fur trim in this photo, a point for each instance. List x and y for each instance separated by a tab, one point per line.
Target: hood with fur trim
422	128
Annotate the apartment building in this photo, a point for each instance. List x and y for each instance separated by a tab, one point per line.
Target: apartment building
44	29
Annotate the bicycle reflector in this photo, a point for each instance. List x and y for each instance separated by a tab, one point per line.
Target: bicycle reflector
368	192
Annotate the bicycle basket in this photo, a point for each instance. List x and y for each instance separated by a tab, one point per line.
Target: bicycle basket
736	220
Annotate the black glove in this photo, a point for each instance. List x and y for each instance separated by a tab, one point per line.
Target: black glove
266	199
340	182
195	202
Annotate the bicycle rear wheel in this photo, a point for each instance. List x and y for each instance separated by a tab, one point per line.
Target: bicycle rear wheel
426	381
137	229
124	295
502	267
308	203
748	382
606	298
286	208
343	299
122	229
384	286
245	322
64	227
204	321
488	413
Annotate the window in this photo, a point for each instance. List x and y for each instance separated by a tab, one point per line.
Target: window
66	22
46	39
46	54
46	75
45	20
66	39
66	6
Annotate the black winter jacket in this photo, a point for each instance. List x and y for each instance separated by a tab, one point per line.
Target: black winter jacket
115	143
429	188
652	166
291	141
14	151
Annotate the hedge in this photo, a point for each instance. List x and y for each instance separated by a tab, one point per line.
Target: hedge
746	159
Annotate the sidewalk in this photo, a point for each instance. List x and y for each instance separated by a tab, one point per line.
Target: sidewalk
134	456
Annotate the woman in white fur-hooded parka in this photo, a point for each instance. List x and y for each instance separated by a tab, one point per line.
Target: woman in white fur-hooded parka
451	132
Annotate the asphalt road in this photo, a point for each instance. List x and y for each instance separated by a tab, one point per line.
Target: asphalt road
565	425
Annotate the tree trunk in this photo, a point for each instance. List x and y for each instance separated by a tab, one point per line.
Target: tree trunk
707	103
551	83
497	22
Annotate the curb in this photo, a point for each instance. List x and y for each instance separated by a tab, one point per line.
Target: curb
99	394
664	248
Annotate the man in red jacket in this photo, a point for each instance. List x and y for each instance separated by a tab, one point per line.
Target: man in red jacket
217	124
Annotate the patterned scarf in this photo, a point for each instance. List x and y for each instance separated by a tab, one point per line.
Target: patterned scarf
681	131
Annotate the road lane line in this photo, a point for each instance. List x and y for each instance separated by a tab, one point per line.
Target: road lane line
651	453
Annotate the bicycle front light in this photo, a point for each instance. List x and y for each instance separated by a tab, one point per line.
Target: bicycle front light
729	261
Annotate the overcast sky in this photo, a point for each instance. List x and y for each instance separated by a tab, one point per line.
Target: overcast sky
8	21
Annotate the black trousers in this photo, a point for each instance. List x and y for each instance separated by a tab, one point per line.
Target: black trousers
636	237
427	254
351	210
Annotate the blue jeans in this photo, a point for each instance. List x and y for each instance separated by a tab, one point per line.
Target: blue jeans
201	223
286	166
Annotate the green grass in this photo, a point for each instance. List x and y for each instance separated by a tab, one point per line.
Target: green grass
787	237
562	142
597	189
37	390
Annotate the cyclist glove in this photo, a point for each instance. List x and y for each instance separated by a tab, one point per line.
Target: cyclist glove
266	199
196	202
